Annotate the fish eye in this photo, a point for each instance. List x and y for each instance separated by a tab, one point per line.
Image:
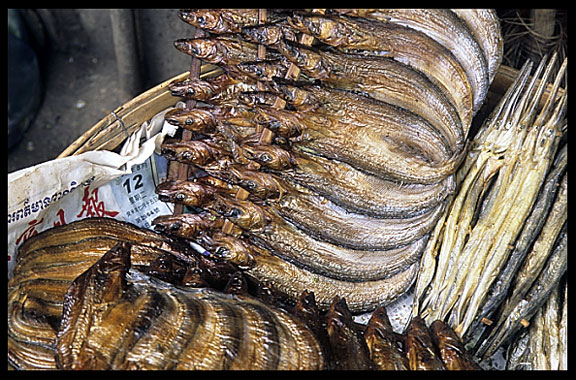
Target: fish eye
186	155
201	20
251	185
190	91
180	197
189	121
222	251
265	157
175	226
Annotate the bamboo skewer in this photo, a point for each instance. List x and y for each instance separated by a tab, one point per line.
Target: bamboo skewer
183	169
266	135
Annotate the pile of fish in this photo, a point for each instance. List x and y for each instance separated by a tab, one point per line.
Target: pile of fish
324	154
500	251
103	294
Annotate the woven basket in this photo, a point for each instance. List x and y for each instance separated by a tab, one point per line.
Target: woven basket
112	130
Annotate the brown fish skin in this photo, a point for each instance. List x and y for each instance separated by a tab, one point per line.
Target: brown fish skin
451	349
189	193
443	26
196	120
186	225
269	33
420	349
222	21
362	147
101	284
159	326
201	89
384	345
220	50
290	280
396	41
348	348
196	152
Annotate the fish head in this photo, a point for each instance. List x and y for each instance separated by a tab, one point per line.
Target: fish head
299	97
229	248
254	98
268	155
266	69
262	185
267	34
196	89
329	30
191	152
282	122
186	225
184	192
338	317
210	20
208	49
307	59
197	120
245	214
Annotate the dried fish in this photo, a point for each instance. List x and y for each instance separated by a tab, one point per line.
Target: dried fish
445	28
420	350
396	41
384	344
159	326
291	280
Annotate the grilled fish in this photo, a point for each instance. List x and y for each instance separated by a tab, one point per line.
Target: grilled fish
349	350
447	29
366	148
382	78
420	349
451	349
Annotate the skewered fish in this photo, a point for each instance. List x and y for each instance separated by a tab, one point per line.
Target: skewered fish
446	28
291	280
396	41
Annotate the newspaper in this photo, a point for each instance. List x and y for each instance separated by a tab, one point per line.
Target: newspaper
91	184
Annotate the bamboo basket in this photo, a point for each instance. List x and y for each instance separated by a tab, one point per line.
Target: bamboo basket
111	131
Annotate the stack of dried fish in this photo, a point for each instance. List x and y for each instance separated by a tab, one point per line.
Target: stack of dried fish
344	148
500	250
104	294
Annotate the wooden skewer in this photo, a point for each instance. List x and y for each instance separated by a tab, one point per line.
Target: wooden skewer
266	135
182	169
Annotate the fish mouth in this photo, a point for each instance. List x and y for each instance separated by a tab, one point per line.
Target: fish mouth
164	197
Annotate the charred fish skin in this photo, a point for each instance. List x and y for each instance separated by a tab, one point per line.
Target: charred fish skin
205	326
383	343
451	349
420	349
